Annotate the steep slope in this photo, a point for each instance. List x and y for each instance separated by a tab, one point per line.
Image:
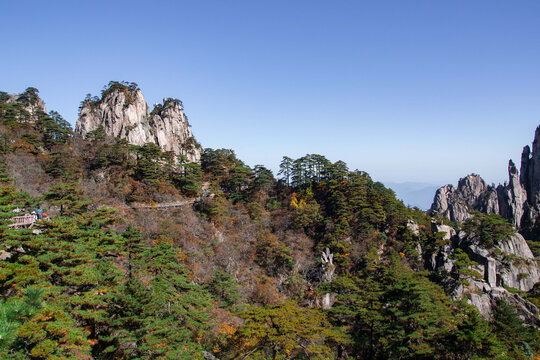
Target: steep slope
122	112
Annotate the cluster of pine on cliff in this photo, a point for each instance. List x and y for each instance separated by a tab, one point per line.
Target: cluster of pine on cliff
236	272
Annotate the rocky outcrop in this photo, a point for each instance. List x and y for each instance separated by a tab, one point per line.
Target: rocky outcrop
509	264
29	101
517	200
123	112
455	204
172	131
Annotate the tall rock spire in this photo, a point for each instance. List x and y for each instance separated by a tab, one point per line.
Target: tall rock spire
517	200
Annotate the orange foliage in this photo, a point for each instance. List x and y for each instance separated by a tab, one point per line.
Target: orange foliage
163	239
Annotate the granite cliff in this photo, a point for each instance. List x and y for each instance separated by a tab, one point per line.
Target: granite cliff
507	265
517	200
122	112
504	267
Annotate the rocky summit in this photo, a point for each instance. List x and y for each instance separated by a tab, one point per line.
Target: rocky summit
122	112
504	267
517	200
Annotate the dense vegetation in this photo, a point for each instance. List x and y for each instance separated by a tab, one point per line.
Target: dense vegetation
238	274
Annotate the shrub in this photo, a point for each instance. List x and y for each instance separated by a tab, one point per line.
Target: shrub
490	229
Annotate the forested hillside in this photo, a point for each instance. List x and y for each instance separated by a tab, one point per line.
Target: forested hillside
146	255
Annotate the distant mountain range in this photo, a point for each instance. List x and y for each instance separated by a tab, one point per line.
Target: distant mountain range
414	193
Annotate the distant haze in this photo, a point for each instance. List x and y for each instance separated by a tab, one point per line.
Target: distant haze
414	194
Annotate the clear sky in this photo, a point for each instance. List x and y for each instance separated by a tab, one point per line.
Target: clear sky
406	90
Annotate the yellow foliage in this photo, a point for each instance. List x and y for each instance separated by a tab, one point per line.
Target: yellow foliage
298	203
226	329
163	239
181	256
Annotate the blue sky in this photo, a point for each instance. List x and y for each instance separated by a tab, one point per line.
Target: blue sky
423	91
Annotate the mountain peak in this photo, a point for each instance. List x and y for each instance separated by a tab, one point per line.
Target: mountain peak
123	112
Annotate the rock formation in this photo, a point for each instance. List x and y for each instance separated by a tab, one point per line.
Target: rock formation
509	264
123	112
506	265
517	200
29	101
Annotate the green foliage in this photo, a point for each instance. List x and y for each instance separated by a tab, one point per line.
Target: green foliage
32	139
67	196
164	318
13	114
282	331
233	177
4	174
490	229
55	129
521	341
307	214
66	298
4	96
272	254
213	208
15	311
123	86
151	162
5	143
392	312
110	155
462	270
224	288
29	96
62	164
217	162
149	293
189	179
127	88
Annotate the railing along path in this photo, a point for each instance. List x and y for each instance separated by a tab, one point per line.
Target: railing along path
22	221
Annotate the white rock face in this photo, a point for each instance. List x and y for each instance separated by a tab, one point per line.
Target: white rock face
413	227
172	131
522	273
510	263
450	203
125	114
